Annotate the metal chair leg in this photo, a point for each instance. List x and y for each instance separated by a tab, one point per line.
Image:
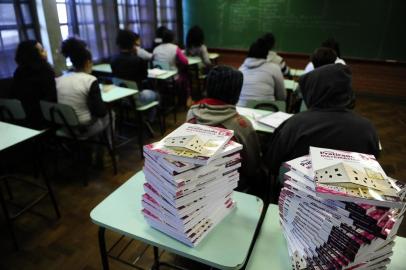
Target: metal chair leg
8	189
9	221
140	134
112	151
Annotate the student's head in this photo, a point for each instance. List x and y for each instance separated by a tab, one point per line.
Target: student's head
333	44
168	36
323	56
328	86
75	49
270	40
195	37
259	49
30	53
126	40
224	83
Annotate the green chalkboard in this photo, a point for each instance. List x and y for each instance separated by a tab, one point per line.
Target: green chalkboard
371	29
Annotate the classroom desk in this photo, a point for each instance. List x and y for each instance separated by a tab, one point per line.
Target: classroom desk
290	84
13	134
297	72
226	246
270	248
253	115
111	93
106	68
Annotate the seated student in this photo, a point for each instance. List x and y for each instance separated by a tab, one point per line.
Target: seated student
328	123
332	44
323	56
158	35
34	80
262	80
81	91
128	65
218	109
169	53
273	57
195	45
141	53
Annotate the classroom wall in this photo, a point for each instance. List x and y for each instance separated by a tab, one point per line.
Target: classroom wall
369	77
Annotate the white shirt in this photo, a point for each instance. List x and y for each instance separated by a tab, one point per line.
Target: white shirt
143	54
309	67
73	89
166	53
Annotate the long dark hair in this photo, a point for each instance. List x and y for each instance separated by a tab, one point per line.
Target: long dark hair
27	55
75	49
195	37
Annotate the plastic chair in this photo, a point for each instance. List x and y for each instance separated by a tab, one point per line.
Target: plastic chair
140	110
267	105
11	110
64	117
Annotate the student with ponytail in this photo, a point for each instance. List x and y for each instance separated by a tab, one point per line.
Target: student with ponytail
80	90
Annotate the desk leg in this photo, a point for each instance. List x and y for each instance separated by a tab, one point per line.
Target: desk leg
102	248
113	139
156	259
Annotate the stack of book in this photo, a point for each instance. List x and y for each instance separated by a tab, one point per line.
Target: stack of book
339	210
190	176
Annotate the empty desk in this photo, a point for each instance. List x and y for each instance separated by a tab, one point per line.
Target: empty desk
225	247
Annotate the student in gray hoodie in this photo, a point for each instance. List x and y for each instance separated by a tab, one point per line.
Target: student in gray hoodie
218	109
262	80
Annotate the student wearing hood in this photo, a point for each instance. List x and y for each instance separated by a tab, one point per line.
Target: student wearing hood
327	92
218	109
262	80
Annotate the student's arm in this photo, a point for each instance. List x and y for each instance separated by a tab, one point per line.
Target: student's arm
181	57
205	55
94	101
280	91
144	54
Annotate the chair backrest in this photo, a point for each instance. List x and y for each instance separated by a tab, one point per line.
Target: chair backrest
267	106
11	110
60	114
161	65
280	104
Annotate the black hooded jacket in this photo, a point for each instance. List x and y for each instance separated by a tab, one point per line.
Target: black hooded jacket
328	123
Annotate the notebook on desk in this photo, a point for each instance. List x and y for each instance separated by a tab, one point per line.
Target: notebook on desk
156	72
275	119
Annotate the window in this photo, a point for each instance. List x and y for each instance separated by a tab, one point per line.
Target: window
16	24
166	14
91	20
144	16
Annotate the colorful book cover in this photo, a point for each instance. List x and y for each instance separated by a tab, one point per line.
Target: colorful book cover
352	177
192	143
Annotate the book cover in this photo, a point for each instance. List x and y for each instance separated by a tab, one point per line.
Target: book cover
192	143
352	177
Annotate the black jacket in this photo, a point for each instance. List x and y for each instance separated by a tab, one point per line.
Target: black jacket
129	66
326	91
30	85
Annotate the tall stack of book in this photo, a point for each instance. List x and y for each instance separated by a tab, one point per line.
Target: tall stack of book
190	176
339	210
